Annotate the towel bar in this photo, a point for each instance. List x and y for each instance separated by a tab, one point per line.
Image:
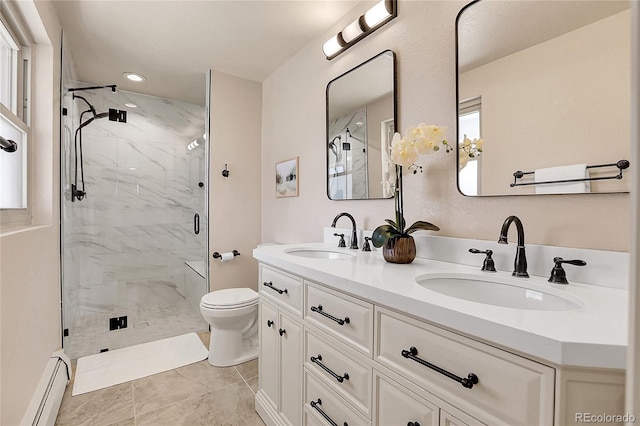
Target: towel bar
621	165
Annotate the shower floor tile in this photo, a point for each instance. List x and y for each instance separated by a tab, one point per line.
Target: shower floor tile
145	323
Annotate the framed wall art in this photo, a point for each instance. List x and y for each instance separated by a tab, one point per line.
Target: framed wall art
287	178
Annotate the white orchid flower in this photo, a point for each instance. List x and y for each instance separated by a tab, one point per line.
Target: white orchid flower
403	151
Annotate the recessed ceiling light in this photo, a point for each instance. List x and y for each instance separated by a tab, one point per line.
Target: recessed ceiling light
130	105
134	76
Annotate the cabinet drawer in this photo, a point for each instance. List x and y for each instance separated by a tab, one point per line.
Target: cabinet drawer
284	288
448	419
342	316
510	389
399	406
321	399
353	381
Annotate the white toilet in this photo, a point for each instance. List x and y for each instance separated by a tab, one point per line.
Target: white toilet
233	316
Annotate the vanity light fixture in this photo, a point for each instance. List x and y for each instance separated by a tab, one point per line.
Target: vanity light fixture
134	76
374	18
130	105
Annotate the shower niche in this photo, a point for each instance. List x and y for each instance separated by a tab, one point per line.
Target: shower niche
129	194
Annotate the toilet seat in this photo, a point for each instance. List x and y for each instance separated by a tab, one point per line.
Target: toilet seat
231	298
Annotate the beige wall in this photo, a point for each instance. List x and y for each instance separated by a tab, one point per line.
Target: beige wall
423	37
234	202
30	327
587	123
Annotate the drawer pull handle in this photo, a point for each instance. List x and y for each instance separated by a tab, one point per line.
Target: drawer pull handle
282	331
467	382
269	323
340	321
270	285
413	424
340	379
316	405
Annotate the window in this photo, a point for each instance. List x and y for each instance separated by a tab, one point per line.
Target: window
469	125
14	124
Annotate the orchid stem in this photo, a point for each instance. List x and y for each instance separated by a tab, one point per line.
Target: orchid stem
399	200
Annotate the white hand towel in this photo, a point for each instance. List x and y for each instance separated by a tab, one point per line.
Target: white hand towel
574	171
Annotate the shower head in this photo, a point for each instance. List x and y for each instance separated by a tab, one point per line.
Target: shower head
95	117
332	145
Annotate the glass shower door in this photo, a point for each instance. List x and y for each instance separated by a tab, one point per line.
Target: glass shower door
135	243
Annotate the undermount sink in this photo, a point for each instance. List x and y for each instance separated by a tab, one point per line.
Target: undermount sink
320	253
500	291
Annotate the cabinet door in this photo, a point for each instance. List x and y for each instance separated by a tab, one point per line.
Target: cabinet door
399	406
268	362
291	338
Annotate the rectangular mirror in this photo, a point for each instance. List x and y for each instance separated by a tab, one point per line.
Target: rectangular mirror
546	86
361	121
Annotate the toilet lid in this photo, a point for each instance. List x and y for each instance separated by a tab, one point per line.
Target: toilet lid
230	298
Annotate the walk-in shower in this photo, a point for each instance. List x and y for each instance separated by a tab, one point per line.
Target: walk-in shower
133	269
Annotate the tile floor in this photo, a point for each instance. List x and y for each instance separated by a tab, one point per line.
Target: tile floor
197	394
156	311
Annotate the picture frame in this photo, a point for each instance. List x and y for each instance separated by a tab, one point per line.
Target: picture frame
287	179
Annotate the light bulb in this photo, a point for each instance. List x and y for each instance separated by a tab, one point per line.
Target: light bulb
377	14
134	76
332	46
352	31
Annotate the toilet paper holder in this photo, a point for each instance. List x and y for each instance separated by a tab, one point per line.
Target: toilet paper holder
217	255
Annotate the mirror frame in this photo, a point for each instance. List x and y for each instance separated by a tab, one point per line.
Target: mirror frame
395	118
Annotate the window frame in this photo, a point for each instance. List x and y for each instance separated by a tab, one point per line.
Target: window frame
11	218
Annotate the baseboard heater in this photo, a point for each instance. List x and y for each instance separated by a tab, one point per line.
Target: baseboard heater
46	400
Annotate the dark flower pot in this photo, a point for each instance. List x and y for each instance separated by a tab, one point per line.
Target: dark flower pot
400	249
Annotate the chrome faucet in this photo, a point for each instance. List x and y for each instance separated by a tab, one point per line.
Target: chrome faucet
520	264
354	237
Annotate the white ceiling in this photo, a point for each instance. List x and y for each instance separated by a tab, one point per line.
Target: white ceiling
173	43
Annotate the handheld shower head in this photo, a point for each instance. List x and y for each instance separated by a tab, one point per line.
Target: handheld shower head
93	110
95	117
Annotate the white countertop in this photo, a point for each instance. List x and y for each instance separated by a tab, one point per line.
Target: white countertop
594	335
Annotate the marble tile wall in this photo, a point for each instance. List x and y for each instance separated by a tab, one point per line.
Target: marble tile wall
136	222
348	168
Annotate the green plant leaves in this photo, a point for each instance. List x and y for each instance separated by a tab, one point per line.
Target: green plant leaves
382	233
392	223
421	226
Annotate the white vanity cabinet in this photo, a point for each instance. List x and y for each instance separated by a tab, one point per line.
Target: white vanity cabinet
279	398
491	383
344	360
